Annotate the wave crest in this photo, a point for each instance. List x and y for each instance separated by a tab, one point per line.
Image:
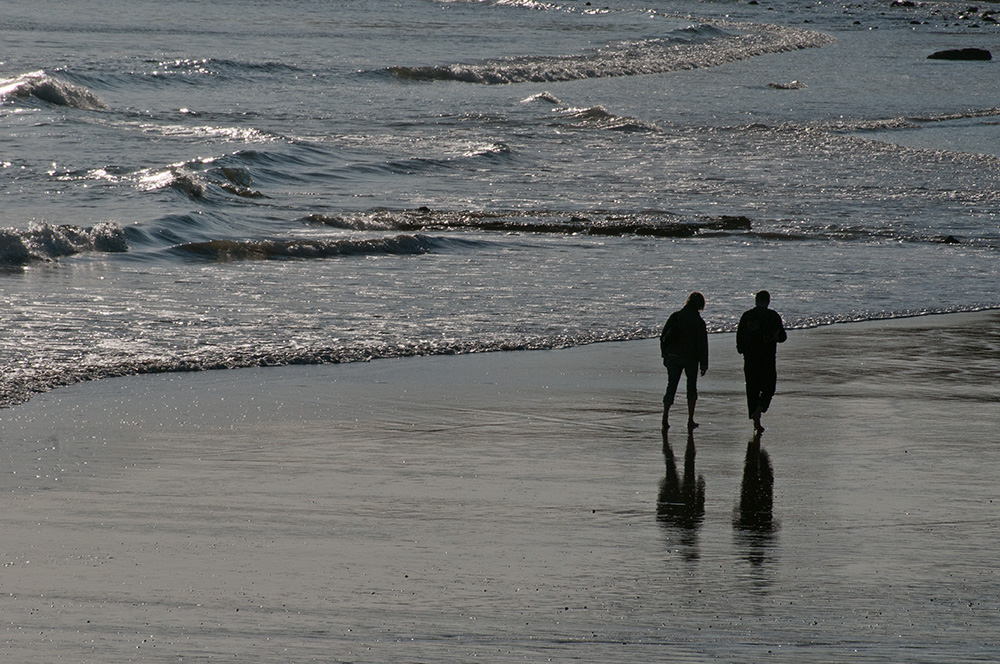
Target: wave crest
695	47
235	250
196	184
44	242
650	224
598	117
41	86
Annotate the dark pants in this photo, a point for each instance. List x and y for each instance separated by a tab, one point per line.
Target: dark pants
761	379
676	365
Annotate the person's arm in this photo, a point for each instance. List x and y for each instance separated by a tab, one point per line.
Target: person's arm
740	335
703	342
781	335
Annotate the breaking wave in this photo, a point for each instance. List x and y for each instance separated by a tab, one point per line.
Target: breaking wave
41	86
44	242
195	183
598	117
592	117
696	47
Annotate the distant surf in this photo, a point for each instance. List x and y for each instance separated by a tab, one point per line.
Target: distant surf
695	47
232	250
535	221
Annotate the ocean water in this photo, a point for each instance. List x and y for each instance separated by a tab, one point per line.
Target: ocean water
190	186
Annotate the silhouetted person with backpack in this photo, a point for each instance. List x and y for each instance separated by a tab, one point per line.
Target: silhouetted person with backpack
757	337
684	348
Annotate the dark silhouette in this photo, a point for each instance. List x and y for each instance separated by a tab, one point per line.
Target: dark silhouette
755	510
759	332
961	54
753	517
681	500
684	348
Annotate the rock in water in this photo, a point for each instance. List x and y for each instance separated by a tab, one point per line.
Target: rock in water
962	54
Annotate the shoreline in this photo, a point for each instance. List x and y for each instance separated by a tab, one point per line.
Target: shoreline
517	506
32	387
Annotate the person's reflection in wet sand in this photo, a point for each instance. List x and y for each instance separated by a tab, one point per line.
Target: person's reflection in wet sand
753	518
680	503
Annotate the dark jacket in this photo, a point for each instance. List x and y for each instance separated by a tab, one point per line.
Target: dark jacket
686	336
758	335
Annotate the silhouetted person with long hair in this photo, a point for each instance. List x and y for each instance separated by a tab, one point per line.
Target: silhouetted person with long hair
684	348
757	337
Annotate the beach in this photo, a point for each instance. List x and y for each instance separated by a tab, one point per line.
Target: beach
517	506
328	331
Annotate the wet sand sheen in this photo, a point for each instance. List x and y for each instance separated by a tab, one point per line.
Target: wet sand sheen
517	506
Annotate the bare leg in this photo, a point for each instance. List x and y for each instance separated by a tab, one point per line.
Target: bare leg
756	421
691	423
666	417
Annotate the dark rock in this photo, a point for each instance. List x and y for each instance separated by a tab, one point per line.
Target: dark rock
962	54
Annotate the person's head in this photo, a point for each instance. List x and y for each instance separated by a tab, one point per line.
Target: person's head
695	300
763	298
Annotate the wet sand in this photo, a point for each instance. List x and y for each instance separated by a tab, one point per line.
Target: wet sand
517	506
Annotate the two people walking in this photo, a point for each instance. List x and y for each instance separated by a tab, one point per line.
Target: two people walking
684	348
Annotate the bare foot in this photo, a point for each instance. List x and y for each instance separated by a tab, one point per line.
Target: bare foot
692	424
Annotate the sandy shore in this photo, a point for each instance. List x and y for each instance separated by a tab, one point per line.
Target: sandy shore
517	506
